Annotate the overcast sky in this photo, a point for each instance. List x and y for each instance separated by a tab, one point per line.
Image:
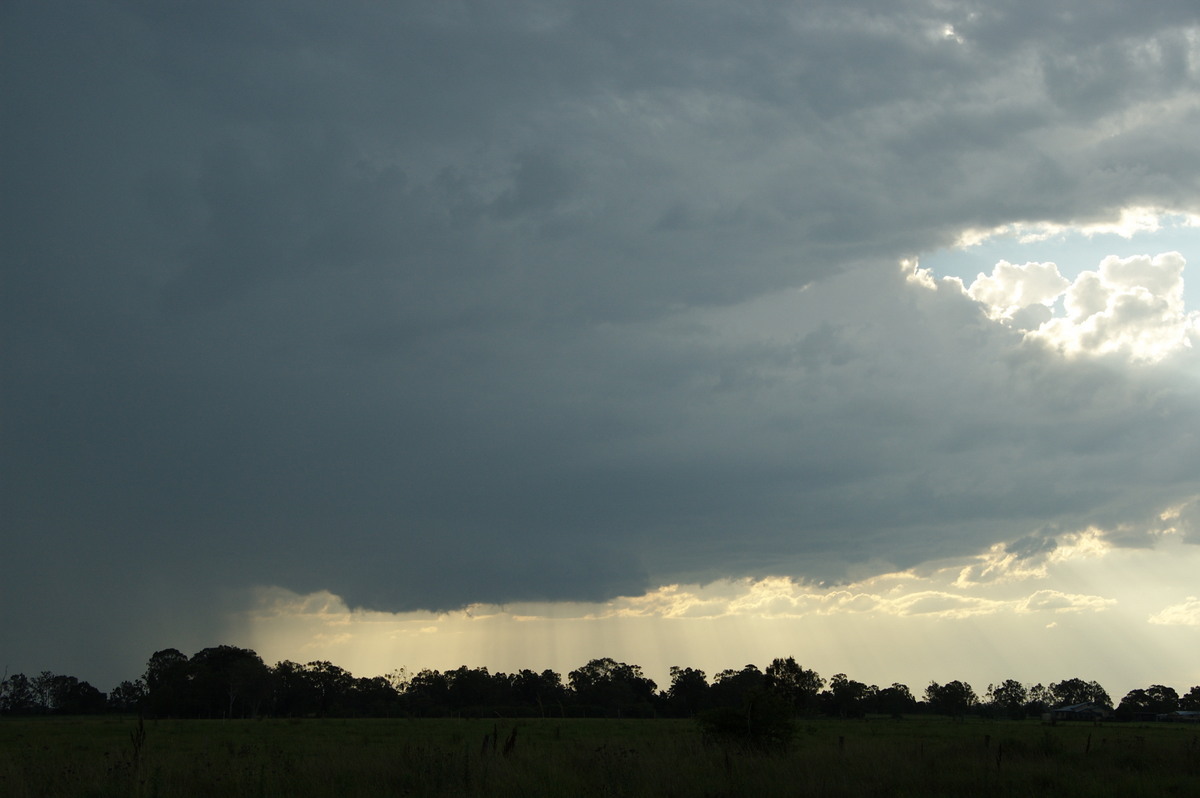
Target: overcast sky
414	306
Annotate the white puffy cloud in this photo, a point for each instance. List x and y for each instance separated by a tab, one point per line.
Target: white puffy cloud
1131	306
1011	288
1185	613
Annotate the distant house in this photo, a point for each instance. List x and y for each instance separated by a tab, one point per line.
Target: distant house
1182	716
1085	711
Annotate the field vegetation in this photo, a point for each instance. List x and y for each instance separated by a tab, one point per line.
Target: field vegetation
916	756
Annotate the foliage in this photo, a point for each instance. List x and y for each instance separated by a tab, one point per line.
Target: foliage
895	700
1154	700
796	686
612	688
688	693
231	682
847	698
1076	691
732	688
49	693
1008	699
953	699
764	723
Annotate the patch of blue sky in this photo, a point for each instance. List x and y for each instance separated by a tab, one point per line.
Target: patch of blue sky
1073	251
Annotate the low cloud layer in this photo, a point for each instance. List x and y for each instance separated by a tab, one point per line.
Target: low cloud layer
433	305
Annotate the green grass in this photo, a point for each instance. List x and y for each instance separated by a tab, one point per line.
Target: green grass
913	757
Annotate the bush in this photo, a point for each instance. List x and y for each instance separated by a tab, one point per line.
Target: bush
764	723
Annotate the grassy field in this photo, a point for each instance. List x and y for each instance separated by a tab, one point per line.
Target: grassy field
912	757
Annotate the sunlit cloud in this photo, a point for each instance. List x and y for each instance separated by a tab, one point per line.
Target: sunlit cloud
1127	306
1078	588
1130	221
1057	601
1186	613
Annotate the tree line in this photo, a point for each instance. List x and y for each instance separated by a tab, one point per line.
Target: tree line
230	682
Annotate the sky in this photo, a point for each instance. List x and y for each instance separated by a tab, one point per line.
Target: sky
427	334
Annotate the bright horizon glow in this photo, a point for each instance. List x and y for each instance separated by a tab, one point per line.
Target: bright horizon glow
1086	608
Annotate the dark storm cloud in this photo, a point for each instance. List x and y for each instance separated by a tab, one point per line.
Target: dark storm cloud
431	303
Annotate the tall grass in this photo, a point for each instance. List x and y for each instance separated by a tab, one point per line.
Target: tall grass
915	757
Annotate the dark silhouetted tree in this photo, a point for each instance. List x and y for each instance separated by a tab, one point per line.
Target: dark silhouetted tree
17	695
1039	700
428	694
543	690
70	696
168	684
290	691
895	700
954	698
127	696
733	688
229	682
1156	699
747	711
1076	691
1191	699
328	687
688	693
1008	699
797	686
845	697
612	688
374	697
472	691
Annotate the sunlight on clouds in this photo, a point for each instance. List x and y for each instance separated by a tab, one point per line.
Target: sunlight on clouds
1057	601
1186	613
1130	222
1133	306
1085	591
1011	288
1128	306
1184	520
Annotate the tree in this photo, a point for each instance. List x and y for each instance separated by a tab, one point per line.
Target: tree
1156	699
845	697
374	697
70	696
127	696
1076	691
43	691
1008	698
229	682
17	695
428	693
612	687
1039	700
289	690
733	688
894	700
797	686
953	699
688	693
1191	699
328	687
538	689
469	690
168	684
